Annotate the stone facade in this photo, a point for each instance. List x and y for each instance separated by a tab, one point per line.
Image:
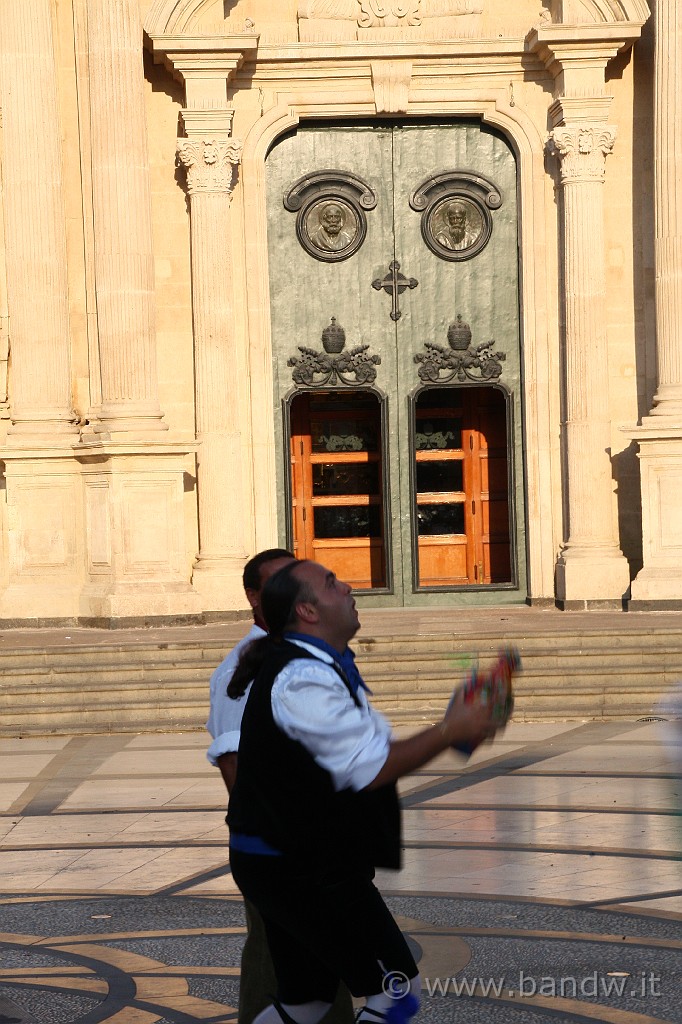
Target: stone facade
138	428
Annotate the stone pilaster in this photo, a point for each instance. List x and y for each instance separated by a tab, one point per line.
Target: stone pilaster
210	163
124	266
668	209
591	567
41	478
35	234
659	584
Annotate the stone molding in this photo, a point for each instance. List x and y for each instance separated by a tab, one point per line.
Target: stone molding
391	83
204	64
346	20
210	164
582	150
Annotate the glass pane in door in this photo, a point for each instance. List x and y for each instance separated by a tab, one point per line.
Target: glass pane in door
461	486
337	496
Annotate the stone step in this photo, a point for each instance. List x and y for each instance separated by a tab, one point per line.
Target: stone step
563	650
152	686
177	703
550	672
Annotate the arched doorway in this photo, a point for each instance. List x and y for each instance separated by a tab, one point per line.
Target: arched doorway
394	283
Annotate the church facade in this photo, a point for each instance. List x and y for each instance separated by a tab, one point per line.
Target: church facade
394	283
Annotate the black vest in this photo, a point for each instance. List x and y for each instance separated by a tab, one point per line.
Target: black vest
283	796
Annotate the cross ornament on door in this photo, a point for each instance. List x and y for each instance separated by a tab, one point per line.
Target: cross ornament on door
394	284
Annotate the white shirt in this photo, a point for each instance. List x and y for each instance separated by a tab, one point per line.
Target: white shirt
225	714
311	704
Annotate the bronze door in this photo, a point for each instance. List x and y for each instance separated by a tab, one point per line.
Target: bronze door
366	243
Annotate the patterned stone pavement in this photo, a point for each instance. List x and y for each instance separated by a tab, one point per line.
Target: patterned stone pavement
542	880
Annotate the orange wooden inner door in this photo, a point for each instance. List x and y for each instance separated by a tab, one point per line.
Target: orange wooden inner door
337	489
461	480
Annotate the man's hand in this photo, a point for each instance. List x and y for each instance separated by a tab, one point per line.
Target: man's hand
468	723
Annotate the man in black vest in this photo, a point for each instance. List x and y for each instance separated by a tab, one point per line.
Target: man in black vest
257	979
314	809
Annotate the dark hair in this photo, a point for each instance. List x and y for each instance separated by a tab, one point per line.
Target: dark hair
251	574
281	593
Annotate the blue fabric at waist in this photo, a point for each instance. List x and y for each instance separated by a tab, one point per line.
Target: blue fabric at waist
252	844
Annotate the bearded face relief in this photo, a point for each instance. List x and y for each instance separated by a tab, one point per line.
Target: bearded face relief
456	225
331	226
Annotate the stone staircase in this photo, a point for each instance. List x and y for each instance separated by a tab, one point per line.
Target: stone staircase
573	673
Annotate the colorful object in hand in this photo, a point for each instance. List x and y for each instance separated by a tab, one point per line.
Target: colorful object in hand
491	686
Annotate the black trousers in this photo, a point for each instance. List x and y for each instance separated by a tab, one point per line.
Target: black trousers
324	925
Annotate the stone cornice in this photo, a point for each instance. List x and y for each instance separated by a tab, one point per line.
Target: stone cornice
576	57
378	49
190	57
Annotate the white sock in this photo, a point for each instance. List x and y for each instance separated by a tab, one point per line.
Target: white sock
383	1001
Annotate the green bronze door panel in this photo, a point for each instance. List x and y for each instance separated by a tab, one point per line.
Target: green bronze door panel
312	280
483	290
305	292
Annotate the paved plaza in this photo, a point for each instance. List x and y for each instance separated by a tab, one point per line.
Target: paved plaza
541	881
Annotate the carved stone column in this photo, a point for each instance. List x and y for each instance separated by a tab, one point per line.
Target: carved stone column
659	584
210	163
668	210
41	476
41	401
591	567
124	265
137	566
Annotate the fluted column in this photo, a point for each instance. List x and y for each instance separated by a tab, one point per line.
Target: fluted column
124	266
41	400
659	583
591	566
668	208
210	163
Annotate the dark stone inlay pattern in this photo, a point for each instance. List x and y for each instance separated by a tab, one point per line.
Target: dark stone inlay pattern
187	951
494	956
588	965
457	912
128	914
50	1006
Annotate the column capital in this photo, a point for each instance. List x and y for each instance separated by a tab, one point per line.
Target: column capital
210	164
582	150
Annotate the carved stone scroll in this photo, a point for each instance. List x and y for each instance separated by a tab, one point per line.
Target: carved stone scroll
331	224
455	207
336	20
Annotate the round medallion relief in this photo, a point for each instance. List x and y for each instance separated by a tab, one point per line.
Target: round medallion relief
457	228
331	229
